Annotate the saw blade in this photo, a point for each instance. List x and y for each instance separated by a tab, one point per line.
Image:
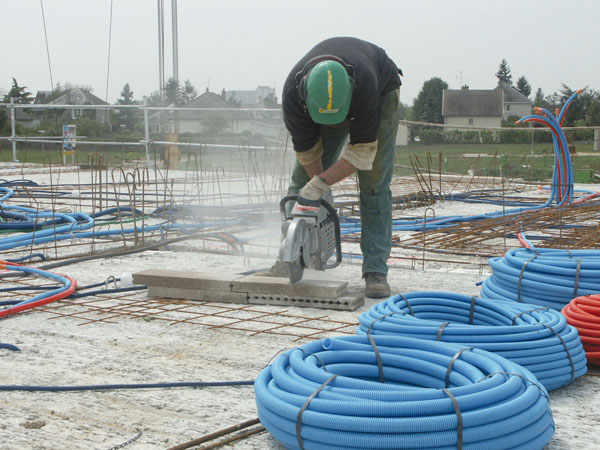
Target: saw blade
295	270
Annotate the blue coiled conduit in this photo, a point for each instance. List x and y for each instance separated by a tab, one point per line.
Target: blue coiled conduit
540	340
500	404
543	276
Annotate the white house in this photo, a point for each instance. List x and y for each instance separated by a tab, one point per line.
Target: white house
514	103
483	107
472	107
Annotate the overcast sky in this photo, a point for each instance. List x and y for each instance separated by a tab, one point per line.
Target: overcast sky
241	44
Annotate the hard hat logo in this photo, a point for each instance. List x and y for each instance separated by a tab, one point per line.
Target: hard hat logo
328	93
329	109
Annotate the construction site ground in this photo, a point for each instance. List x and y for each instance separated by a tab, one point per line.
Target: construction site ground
134	337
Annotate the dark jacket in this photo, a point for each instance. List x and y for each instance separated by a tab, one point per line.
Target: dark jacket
374	74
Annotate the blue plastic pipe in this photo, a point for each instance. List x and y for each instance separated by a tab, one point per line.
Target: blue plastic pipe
538	339
328	395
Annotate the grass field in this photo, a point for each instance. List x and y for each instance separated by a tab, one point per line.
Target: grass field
533	162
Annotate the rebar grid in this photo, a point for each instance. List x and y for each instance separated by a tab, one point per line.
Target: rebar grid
248	319
555	224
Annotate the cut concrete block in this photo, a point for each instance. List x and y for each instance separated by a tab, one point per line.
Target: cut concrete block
306	293
195	294
224	288
186	279
282	286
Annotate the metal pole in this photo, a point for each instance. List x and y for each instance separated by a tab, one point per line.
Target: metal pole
175	43
13	130
175	57
146	132
161	49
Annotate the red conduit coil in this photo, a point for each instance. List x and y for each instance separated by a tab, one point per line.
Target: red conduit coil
40	302
584	314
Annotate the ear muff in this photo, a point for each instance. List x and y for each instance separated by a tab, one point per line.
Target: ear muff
302	75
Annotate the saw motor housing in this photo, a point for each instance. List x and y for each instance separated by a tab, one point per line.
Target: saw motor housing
310	237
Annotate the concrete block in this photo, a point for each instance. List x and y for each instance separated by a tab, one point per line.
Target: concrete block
194	294
240	289
186	279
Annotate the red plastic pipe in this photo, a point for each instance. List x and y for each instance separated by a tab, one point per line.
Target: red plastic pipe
584	314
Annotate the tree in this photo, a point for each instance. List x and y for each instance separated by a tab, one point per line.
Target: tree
126	117
428	104
18	94
404	111
523	86
576	109
592	116
188	92
3	121
173	92
503	73
539	98
154	99
215	125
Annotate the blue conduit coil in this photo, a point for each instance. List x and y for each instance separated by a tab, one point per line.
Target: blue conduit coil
392	392
543	276
538	339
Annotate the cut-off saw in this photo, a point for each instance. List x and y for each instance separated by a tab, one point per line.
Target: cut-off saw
310	236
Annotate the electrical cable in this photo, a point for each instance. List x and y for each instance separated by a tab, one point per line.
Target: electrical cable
105	387
328	394
584	314
538	339
79	225
11	347
69	286
543	276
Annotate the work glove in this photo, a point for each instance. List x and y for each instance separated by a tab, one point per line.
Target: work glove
311	193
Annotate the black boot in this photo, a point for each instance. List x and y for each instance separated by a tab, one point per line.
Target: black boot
376	285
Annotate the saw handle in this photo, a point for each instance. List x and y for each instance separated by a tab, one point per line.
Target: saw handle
336	223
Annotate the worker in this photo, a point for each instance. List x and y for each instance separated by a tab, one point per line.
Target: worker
347	87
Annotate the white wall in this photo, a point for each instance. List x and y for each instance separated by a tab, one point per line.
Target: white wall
483	121
516	109
402	135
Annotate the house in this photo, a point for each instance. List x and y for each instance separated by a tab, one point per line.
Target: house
25	119
514	103
232	118
472	107
249	98
198	121
76	96
483	107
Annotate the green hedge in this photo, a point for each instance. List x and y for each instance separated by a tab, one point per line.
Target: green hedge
506	136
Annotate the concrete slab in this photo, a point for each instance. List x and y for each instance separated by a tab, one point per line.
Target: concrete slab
195	294
186	279
240	289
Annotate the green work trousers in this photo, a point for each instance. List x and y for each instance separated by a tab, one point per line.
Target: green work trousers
374	184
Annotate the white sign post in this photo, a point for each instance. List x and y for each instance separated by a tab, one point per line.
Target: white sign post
69	142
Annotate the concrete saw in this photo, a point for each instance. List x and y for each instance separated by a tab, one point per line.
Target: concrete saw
310	236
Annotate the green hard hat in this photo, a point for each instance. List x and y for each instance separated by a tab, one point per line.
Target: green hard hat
328	93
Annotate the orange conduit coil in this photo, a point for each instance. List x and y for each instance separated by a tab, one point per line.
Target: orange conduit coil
584	314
